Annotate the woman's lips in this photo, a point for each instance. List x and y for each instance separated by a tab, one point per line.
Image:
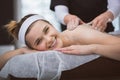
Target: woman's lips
54	43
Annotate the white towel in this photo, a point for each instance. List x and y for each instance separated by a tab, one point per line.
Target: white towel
46	65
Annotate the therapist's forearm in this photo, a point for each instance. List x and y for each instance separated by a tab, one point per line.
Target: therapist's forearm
110	51
114	7
61	11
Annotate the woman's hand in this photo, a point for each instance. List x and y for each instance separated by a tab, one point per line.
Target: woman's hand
100	22
72	21
77	49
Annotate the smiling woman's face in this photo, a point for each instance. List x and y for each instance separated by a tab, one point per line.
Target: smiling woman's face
43	36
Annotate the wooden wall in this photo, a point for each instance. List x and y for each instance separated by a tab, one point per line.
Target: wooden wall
6	14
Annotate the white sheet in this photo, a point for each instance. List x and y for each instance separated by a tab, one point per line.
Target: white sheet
46	65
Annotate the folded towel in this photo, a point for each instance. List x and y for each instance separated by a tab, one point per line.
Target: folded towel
45	65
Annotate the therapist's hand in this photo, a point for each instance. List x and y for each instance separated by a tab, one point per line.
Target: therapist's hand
77	49
72	21
100	22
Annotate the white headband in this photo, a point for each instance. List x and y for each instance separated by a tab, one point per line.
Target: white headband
25	26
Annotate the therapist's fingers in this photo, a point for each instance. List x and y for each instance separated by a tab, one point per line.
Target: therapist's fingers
81	22
101	26
94	24
73	23
100	22
97	23
103	29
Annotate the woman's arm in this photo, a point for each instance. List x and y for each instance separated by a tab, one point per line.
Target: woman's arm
92	41
111	51
8	55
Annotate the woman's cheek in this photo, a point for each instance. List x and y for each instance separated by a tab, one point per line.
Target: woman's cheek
42	47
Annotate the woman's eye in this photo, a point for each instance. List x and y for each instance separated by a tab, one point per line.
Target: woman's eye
39	41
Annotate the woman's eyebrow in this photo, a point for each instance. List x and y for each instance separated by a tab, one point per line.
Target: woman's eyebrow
44	29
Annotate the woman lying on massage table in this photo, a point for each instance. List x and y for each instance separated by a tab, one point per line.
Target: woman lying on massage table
39	34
